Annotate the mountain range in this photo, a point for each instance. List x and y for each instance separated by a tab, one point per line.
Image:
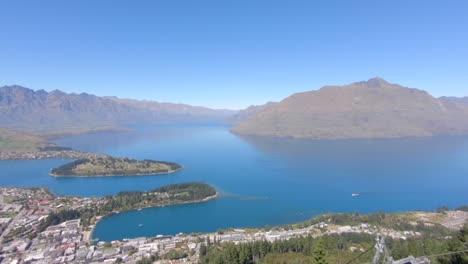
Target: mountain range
54	112
368	109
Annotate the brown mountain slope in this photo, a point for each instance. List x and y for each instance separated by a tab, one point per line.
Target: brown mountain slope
372	109
42	112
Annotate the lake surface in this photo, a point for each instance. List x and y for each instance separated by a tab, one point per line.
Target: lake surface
263	180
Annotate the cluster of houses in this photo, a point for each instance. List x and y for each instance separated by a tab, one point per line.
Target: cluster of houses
320	229
48	154
23	209
67	243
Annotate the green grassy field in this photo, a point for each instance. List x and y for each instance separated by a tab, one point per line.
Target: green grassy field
19	142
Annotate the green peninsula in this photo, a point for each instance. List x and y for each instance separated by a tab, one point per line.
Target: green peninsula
173	194
179	193
112	166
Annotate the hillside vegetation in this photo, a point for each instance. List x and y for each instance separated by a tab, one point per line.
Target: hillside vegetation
433	238
334	248
112	166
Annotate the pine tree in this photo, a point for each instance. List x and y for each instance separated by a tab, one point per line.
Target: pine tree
320	255
203	249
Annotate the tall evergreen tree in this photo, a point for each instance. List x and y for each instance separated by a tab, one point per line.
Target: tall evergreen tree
320	256
203	249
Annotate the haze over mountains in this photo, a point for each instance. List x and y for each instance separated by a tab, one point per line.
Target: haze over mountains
48	112
370	109
246	113
462	100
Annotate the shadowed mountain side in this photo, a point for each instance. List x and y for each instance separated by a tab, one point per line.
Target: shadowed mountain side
52	112
372	109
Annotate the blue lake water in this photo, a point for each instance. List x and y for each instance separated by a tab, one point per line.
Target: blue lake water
263	180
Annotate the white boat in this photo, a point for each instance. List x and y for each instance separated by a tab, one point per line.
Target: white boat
355	194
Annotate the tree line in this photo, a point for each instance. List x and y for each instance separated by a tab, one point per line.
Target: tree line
305	249
431	246
334	248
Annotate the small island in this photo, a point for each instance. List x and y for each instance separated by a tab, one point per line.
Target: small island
111	166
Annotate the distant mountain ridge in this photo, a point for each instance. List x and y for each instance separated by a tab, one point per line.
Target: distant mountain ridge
25	109
246	113
462	100
369	109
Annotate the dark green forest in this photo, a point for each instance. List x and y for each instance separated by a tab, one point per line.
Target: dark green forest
333	249
301	250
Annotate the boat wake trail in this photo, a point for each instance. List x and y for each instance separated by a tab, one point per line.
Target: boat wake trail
243	197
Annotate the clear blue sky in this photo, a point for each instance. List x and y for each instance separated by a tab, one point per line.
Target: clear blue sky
232	53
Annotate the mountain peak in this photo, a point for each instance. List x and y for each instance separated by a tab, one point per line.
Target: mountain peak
376	82
57	92
15	87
